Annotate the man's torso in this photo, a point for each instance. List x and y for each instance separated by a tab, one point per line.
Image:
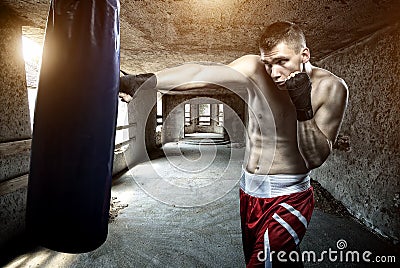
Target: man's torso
272	127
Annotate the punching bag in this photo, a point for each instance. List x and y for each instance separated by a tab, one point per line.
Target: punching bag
70	175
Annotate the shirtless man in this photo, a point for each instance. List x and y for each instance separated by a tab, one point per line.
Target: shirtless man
295	112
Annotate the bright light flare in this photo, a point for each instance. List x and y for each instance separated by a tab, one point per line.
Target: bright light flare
32	50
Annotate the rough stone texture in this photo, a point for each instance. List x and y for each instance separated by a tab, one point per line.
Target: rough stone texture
366	178
14	122
12	166
159	34
162	33
12	215
14	110
119	163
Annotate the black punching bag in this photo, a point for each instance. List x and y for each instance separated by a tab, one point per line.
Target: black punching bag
74	126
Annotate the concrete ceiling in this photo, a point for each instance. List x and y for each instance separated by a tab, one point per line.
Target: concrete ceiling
158	34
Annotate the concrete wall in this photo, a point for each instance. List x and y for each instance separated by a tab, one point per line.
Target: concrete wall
15	129
142	119
173	110
367	178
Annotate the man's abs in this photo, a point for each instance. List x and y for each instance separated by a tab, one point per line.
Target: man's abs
284	159
272	146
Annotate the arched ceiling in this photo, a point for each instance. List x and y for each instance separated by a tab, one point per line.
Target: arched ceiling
158	34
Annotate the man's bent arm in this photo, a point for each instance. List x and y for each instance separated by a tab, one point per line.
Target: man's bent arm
316	136
314	146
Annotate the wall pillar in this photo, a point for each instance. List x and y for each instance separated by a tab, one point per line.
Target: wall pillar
173	120
214	116
15	128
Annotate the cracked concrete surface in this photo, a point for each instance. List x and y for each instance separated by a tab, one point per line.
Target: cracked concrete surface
153	233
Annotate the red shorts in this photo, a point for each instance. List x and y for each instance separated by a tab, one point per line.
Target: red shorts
280	221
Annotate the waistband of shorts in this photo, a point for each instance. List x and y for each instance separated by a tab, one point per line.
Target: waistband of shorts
269	186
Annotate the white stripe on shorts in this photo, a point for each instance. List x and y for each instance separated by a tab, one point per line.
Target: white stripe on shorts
296	213
287	227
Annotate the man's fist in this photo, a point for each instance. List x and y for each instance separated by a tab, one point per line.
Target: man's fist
298	85
129	84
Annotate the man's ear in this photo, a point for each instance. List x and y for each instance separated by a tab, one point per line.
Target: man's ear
305	55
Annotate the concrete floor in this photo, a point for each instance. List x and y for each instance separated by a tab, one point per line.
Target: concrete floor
182	210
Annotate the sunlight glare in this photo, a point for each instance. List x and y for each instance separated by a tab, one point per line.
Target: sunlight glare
32	50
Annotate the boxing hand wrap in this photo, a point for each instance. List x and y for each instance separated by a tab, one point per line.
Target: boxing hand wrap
299	89
129	84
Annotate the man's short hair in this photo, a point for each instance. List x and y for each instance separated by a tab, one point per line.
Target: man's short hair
285	31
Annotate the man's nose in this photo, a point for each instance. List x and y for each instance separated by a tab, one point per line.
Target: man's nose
275	73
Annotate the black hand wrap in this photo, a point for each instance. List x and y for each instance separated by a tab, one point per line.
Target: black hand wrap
130	83
299	89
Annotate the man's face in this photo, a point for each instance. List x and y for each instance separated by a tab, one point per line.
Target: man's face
280	62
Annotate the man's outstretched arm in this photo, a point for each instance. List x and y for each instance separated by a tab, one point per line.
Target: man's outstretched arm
195	76
234	76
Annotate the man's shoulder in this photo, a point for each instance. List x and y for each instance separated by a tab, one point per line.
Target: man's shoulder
327	79
247	64
250	59
329	87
